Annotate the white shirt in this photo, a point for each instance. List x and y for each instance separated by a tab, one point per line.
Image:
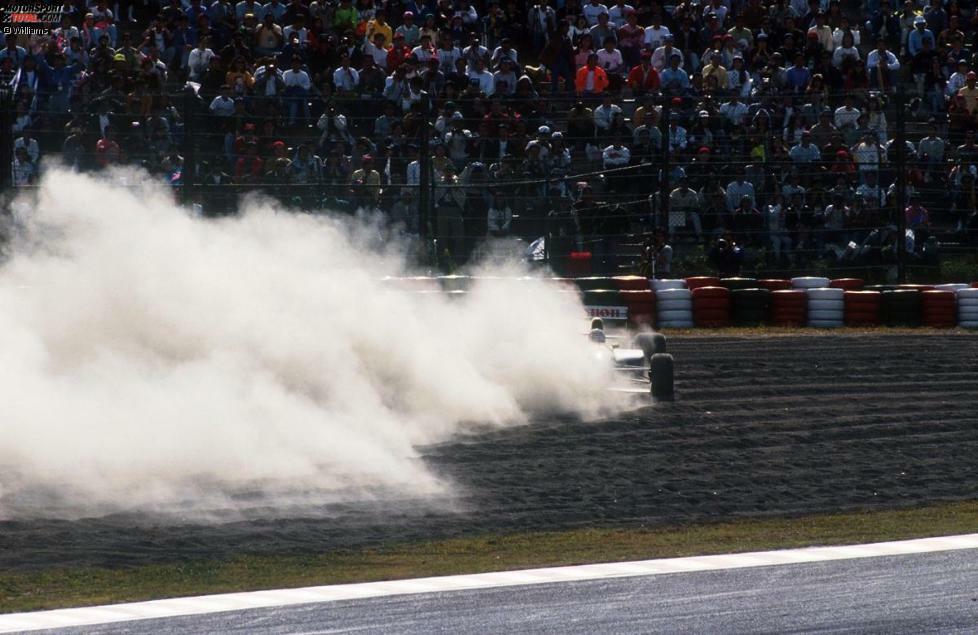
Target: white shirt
873	60
592	11
846	116
487	83
604	116
619	15
197	61
654	37
222	106
616	157
734	112
346	78
610	62
298	78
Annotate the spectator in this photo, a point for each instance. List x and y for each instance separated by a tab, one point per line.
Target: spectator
591	79
643	78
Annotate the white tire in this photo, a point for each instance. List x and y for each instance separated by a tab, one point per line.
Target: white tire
826	305
667	283
968	325
968	294
674	305
952	286
967	301
967	315
826	294
679	314
673	294
825	324
810	282
825	316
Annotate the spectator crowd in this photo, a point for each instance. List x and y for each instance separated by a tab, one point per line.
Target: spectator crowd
767	124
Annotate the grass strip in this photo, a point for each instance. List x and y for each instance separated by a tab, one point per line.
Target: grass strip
58	588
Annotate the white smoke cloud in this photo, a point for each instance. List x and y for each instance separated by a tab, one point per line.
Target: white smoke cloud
154	360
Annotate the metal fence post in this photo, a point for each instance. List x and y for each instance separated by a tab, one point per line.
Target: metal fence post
900	140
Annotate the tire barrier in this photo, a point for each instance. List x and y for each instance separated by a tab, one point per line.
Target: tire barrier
455	283
901	307
641	307
674	308
606	304
826	307
938	309
789	307
711	307
596	284
632	283
968	307
668	283
774	284
849	284
750	307
916	287
701	281
809	282
862	308
954	286
881	287
738	283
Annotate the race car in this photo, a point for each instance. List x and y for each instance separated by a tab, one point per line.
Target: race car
646	361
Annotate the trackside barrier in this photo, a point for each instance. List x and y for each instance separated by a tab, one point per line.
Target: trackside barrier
968	307
862	308
710	302
711	306
826	307
674	308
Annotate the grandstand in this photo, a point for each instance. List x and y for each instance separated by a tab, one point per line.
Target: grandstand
805	136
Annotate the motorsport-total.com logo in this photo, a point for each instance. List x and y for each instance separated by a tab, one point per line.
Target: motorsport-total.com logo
29	18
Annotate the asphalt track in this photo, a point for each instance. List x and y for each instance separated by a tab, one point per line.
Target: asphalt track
912	593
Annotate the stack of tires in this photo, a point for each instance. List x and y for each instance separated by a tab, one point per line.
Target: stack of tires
968	307
937	309
674	308
711	307
641	306
953	286
738	283
848	284
774	284
750	307
455	283
695	282
901	307
809	282
667	283
632	283
862	308
595	283
789	307
826	307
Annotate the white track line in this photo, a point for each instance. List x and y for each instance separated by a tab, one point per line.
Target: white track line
286	597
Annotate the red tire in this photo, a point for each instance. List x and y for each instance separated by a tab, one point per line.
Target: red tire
850	284
711	303
632	283
711	314
696	282
711	292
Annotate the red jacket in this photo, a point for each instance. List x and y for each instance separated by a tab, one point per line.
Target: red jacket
600	80
638	77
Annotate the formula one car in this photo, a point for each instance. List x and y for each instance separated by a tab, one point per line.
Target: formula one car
645	362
